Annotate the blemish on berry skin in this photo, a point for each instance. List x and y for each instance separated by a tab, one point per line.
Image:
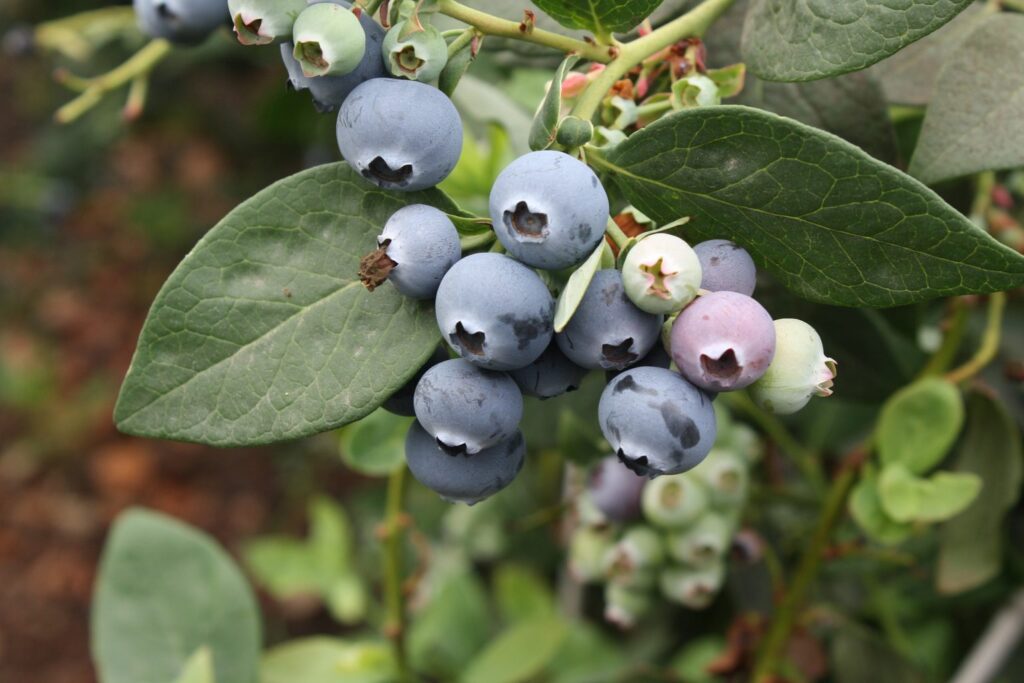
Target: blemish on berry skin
679	424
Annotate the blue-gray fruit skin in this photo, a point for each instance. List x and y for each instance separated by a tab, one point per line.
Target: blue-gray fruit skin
608	331
549	210
615	490
400	402
329	92
461	478
400	135
657	422
550	375
495	312
186	22
726	267
465	408
424	244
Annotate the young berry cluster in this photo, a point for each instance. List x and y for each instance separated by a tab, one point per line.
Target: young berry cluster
669	536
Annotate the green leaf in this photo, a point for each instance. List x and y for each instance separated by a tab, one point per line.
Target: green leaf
570	298
589	656
797	40
603	17
858	655
830	222
164	591
919	424
521	594
198	668
544	128
451	629
264	332
866	509
519	653
328	660
909	498
975	122
375	446
972	543
729	79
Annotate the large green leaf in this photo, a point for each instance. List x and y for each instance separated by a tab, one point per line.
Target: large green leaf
830	222
603	17
802	40
975	121
375	446
328	660
451	629
264	332
919	424
972	543
164	592
866	509
519	653
906	497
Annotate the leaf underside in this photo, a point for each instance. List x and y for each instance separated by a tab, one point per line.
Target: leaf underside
831	223
264	332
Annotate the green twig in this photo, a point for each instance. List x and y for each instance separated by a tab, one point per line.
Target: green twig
462	40
394	622
989	342
951	340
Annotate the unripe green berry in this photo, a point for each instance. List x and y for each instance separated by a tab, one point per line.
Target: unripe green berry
799	371
661	274
419	54
703	544
693	588
634	559
260	22
726	476
695	90
742	441
674	501
624	606
587	551
328	40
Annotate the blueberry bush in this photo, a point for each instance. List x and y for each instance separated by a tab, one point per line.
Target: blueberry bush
604	335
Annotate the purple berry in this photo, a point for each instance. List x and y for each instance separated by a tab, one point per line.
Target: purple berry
727	267
615	490
723	341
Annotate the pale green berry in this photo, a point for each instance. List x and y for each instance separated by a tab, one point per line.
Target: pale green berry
799	371
661	274
417	53
726	476
695	90
703	544
693	588
674	501
329	40
588	548
634	559
624	606
260	22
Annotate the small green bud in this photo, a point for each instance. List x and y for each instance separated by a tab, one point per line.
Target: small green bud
634	559
661	274
587	549
261	22
693	588
574	132
703	544
419	54
695	90
674	501
726	476
328	40
625	606
799	371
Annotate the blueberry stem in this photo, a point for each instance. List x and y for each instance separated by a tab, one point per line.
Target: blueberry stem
463	39
956	327
989	342
394	522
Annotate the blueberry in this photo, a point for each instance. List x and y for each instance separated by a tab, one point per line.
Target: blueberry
417	54
549	210
703	544
615	490
418	246
799	371
186	22
587	549
260	22
727	267
635	558
661	274
693	588
465	408
726	476
463	478
400	135
495	312
625	605
401	402
656	422
723	341
675	501
608	331
329	40
550	375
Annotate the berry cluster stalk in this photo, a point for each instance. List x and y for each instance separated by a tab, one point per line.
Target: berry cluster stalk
391	534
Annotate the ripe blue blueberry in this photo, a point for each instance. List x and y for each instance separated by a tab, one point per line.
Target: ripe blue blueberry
419	54
463	478
657	422
608	331
661	274
467	409
549	210
185	22
615	490
495	312
723	341
260	22
418	246
727	267
400	135
401	402
550	375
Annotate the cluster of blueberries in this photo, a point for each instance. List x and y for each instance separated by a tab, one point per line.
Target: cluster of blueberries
670	536
674	326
